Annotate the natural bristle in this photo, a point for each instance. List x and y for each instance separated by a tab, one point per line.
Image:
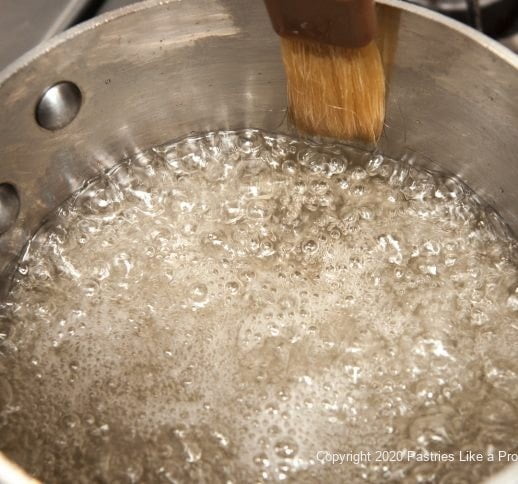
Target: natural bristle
335	91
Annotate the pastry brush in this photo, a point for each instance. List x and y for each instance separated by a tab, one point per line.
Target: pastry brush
335	78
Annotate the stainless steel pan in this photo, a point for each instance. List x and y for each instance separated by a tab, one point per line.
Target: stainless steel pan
146	74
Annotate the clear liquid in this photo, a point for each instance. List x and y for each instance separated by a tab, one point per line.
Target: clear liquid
223	308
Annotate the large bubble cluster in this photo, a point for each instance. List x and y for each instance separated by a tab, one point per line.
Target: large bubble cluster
222	308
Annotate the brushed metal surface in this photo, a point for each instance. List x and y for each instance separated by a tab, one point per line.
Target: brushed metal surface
26	23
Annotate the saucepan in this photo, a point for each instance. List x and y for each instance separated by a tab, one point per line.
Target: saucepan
146	74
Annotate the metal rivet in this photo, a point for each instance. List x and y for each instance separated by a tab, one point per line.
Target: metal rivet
9	206
58	105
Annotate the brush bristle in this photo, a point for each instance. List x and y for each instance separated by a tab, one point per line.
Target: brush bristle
335	91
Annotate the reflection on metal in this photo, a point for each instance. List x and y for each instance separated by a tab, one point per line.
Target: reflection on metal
58	106
9	206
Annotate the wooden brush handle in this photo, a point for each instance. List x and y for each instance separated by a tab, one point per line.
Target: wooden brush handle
345	23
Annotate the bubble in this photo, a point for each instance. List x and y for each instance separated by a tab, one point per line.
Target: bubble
261	460
288	302
366	213
336	166
250	141
299	187
374	165
512	302
359	190
232	287
122	264
198	292
306	156
343	183
247	276
90	288
218	308
334	231
289	167
70	421
429	431
399	174
309	246
259	209
231	211
193	451
23	268
358	173
286	449
192	162
319	187
214	239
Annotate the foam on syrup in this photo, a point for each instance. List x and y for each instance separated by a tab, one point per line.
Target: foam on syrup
221	308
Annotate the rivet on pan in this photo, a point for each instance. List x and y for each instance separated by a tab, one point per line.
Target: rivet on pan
9	206
58	105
